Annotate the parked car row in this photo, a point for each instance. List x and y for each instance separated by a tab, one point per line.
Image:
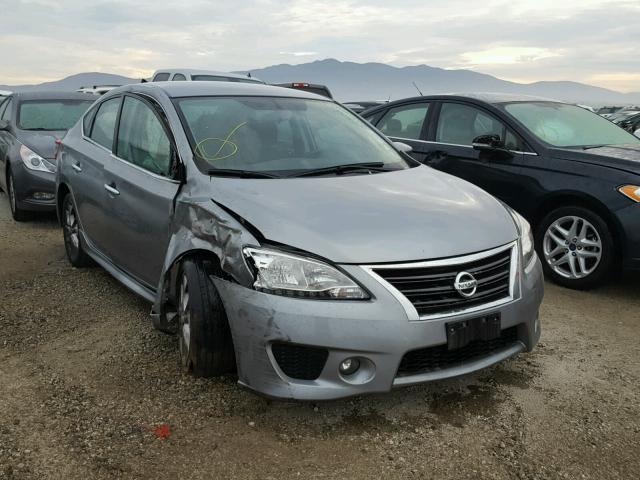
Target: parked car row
30	125
283	236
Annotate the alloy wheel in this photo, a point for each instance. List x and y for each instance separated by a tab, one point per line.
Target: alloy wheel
71	227
572	247
184	318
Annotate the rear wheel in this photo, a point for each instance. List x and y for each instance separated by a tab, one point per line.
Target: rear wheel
206	347
18	214
576	247
71	231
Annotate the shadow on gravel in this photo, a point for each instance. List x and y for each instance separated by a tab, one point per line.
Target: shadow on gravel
454	403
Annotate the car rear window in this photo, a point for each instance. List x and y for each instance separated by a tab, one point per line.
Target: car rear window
51	115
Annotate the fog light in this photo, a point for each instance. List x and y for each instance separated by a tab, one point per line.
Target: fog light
349	366
43	196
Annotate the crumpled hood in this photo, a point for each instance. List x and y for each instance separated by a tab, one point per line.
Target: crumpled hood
622	157
413	214
43	143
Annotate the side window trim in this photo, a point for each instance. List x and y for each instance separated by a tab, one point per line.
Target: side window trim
8	105
3	106
151	104
92	113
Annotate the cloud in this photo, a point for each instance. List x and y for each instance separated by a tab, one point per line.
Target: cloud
299	54
585	40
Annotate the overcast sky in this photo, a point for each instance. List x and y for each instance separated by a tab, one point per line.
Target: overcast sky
592	41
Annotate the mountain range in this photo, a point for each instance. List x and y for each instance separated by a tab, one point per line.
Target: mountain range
350	81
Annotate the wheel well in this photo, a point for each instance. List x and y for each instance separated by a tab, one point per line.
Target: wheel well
213	265
577	200
62	192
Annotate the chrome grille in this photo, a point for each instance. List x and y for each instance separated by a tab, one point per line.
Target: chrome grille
429	286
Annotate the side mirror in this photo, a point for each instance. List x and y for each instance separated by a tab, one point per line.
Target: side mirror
403	147
637	133
487	142
4	125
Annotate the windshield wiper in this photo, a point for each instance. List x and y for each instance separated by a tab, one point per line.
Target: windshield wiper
589	147
229	172
340	169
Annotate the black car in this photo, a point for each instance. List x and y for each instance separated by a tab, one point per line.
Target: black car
574	175
359	107
30	125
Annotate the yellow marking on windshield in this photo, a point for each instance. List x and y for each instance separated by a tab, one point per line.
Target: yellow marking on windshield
223	143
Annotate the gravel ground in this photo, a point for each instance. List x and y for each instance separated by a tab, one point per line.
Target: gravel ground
87	387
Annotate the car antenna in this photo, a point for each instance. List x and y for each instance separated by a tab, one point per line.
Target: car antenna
414	84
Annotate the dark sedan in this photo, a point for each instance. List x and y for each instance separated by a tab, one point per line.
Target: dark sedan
30	124
574	175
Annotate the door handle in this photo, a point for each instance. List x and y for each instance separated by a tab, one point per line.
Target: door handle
76	167
111	189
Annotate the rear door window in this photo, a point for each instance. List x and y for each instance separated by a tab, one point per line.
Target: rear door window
142	139
161	77
104	126
459	124
405	121
178	77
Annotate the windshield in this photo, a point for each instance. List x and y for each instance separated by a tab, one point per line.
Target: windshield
563	125
51	114
281	135
220	78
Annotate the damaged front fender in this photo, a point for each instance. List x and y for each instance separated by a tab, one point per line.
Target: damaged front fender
201	225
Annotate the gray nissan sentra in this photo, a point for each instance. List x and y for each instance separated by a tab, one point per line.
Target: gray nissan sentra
280	235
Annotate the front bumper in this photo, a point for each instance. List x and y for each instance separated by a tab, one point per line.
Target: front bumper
378	331
29	182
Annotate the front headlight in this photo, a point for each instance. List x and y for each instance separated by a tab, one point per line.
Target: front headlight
33	161
526	236
631	191
295	276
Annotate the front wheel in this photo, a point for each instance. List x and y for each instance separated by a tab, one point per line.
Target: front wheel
18	214
576	247
206	347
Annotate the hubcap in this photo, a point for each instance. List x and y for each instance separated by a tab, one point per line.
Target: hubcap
572	247
184	316
71	226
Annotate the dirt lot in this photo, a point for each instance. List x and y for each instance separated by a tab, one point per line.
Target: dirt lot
86	386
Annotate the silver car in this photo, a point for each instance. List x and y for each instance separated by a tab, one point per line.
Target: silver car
281	236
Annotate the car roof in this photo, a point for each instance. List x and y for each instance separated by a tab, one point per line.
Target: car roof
213	89
51	95
195	71
492	98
